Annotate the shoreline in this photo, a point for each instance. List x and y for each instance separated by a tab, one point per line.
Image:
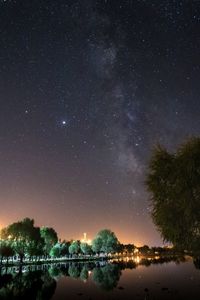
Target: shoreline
119	258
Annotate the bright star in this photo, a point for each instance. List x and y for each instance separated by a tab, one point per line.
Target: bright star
64	122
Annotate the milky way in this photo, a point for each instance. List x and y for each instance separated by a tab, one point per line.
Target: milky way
87	88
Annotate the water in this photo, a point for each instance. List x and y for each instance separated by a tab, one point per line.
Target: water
129	279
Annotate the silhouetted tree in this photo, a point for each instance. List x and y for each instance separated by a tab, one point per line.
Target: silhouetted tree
50	238
6	251
65	248
173	181
144	249
128	248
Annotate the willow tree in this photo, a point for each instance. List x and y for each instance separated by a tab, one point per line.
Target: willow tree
173	179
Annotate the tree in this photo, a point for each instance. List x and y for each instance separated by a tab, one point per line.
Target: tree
97	245
50	238
74	247
24	237
55	250
173	181
35	245
128	248
65	248
6	251
105	241
144	249
85	248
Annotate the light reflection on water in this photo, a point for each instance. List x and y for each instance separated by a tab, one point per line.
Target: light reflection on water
130	278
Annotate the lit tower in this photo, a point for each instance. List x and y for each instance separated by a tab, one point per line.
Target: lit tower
85	240
85	236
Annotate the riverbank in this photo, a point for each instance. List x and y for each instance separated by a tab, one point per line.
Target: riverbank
135	258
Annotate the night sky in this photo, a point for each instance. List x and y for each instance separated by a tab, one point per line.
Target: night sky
87	88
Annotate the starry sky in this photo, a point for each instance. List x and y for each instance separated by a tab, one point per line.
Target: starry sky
87	88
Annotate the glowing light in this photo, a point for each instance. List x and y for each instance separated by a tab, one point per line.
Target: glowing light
127	258
85	240
137	259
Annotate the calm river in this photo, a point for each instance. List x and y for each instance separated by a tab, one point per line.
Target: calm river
128	279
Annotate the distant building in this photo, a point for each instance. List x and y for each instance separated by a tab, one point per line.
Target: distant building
85	240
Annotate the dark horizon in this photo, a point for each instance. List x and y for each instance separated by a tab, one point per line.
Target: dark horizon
87	88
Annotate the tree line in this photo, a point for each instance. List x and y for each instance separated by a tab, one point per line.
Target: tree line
173	180
26	241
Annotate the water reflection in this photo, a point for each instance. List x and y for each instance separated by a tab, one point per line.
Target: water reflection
196	262
39	282
107	277
30	285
